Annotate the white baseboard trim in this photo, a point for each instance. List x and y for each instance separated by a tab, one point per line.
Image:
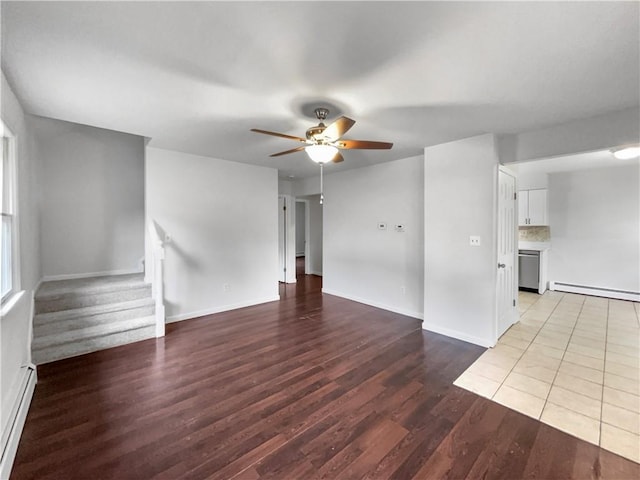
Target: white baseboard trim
224	308
457	335
401	311
315	272
72	276
594	291
11	302
19	413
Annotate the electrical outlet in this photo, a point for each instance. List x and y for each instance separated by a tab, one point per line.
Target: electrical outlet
474	241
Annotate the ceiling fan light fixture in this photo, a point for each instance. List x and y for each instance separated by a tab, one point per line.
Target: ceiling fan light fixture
321	153
627	153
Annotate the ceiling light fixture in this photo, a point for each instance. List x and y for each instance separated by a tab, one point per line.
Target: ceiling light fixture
321	153
626	153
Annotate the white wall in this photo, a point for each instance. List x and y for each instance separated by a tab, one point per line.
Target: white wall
460	280
532	180
223	221
381	268
300	228
285	187
92	207
594	218
307	186
15	331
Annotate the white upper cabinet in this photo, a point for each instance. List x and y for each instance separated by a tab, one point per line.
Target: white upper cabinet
523	207
532	207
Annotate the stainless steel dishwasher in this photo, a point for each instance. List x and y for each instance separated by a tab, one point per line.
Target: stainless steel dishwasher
529	269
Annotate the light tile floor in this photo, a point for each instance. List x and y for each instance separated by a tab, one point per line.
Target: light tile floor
572	362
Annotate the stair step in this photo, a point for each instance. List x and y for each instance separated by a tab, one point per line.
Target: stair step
89	285
80	334
78	293
88	345
78	316
66	320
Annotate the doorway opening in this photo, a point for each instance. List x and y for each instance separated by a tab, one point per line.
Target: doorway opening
309	229
299	243
301	237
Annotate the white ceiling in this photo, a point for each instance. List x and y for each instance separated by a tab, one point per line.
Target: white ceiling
195	77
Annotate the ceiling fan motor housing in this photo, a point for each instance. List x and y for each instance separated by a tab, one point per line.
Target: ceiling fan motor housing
314	132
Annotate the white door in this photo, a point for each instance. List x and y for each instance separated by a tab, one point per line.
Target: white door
282	240
507	253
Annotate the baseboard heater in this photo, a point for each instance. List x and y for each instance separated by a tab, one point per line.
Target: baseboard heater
18	415
595	291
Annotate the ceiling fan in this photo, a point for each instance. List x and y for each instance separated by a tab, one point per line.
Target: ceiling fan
323	143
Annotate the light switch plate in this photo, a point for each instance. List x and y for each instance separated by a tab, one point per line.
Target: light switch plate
382	225
399	228
474	241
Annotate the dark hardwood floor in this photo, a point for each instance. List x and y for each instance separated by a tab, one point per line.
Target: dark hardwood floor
311	387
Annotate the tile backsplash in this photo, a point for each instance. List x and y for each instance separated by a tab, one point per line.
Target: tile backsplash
534	234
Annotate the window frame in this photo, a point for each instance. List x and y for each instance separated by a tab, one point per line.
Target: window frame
10	178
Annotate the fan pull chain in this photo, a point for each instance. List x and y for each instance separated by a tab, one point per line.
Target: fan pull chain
321	185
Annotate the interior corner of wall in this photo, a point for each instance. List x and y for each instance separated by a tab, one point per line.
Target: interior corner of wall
507	148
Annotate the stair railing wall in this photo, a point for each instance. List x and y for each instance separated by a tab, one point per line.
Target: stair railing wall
157	284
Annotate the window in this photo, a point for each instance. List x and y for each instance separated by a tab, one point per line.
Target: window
7	212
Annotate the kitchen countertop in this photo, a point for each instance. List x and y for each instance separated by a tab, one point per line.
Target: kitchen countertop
540	246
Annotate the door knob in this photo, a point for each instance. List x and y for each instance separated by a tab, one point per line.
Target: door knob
501	265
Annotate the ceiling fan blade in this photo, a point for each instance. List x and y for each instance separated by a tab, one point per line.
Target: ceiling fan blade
338	128
363	144
293	150
338	158
276	134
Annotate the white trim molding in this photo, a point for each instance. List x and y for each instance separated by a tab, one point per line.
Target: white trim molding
10	302
401	311
483	342
224	308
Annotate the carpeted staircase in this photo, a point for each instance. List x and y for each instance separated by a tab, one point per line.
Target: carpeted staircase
79	316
